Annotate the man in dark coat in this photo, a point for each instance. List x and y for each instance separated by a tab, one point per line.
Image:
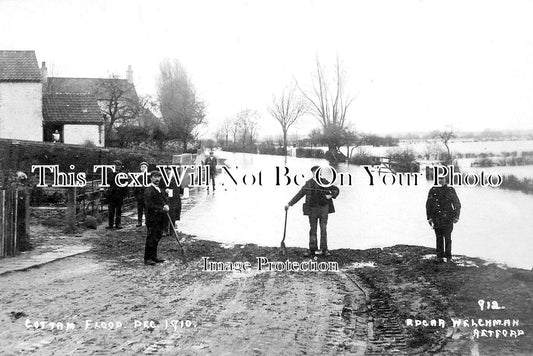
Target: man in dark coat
318	204
442	210
139	197
173	194
211	161
115	198
156	216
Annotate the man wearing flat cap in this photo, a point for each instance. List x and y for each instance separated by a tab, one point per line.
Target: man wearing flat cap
156	217
115	198
318	204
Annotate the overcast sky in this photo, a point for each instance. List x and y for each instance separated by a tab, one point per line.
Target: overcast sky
414	65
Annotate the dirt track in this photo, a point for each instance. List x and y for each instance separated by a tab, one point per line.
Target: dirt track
231	312
254	313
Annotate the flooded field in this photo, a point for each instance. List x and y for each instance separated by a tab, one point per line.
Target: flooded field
494	223
488	147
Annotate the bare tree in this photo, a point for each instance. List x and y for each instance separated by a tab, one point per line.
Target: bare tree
247	124
352	140
329	103
287	109
445	136
181	109
253	126
224	129
119	106
146	106
235	129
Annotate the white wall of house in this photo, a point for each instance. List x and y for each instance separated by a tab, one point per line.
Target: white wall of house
21	113
80	134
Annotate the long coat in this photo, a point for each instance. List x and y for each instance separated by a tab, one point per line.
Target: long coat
443	205
174	202
211	161
315	195
155	201
115	193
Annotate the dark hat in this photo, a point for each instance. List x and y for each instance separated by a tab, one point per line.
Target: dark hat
117	162
155	173
314	168
143	164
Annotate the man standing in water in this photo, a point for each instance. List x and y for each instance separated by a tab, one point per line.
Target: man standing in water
211	161
318	204
156	217
442	209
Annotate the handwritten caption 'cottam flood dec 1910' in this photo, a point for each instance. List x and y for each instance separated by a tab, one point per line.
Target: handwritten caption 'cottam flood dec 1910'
90	324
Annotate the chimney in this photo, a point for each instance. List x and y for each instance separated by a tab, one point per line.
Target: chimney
129	75
44	73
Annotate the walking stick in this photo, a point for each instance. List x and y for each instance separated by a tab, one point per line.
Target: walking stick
182	252
283	248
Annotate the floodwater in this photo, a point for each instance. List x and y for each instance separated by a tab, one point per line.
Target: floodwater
495	224
456	146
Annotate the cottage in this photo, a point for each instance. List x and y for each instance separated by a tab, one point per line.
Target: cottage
36	107
76	117
20	96
116	97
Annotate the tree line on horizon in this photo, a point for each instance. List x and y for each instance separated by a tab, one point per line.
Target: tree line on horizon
176	117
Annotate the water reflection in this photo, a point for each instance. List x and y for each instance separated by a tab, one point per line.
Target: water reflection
494	223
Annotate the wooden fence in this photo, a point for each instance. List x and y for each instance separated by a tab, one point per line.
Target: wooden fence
14	221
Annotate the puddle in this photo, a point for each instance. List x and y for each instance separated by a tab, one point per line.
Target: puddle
362	265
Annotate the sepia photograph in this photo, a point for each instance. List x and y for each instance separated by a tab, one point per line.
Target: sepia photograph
251	177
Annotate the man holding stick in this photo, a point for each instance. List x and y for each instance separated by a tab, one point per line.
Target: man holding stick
156	218
318	204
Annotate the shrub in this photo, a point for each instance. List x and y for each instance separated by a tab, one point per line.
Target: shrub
363	159
89	143
511	182
309	153
483	162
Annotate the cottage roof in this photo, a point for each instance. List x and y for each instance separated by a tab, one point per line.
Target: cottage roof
71	109
101	88
19	66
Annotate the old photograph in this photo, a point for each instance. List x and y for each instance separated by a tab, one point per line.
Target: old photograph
249	177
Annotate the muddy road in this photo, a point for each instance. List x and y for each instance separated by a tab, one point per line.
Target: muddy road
109	302
171	309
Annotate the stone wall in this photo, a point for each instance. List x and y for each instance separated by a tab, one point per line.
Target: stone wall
18	155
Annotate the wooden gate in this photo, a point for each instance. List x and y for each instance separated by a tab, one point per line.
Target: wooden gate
14	219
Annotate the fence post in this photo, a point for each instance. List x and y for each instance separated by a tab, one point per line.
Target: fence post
23	219
71	209
9	222
2	222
